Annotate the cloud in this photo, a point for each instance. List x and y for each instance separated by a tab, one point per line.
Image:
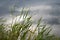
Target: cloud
37	7
56	30
52	21
49	13
11	19
55	11
40	7
48	9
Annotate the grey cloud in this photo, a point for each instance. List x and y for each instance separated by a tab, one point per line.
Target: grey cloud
57	4
4	6
52	21
23	3
55	11
51	16
56	30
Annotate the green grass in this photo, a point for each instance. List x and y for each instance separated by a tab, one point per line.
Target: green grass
21	31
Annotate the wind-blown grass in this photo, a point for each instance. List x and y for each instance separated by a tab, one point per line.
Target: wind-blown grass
21	31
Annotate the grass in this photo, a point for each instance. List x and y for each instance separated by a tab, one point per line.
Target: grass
21	31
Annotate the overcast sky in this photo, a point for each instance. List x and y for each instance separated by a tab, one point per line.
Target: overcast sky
48	9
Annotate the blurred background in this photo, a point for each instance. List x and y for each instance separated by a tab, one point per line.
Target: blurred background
49	10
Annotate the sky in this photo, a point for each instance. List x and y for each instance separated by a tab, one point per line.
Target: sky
48	9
